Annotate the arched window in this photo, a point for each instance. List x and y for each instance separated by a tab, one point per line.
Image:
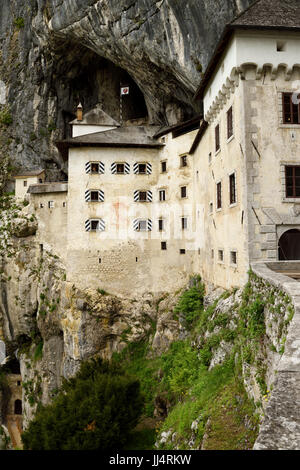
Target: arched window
18	407
289	246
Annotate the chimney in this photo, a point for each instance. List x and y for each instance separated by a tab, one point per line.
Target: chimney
79	112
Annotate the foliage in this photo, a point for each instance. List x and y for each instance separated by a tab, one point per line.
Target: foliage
5	117
95	410
190	304
19	22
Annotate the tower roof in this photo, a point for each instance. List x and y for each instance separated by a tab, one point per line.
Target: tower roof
275	14
261	15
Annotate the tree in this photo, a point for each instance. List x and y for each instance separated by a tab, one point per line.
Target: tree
95	410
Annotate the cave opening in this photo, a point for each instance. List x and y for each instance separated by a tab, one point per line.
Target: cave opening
83	76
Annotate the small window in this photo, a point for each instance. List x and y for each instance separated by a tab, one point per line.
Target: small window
120	168
162	194
221	255
229	123
183	161
142	168
163	167
292	181
212	254
209	158
182	251
94	168
142	226
25	183
94	225
163	245
136	260
51	204
183	223
199	251
211	207
143	196
281	46
291	108
41	205
232	189
161	225
100	260
183	191
217	137
19	383
40	180
219	195
95	196
233	257
64	204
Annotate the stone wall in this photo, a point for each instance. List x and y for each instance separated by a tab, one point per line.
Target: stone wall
280	429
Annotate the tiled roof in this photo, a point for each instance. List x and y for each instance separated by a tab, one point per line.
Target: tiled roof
270	14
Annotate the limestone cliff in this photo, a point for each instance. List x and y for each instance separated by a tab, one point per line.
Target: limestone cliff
55	52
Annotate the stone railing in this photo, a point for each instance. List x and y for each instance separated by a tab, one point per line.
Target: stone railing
280	429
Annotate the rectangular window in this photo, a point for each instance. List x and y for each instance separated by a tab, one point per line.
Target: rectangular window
292	181
95	168
120	168
229	123
162	195
217	137
221	255
233	257
163	167
94	225
94	195
24	183
183	161
163	245
50	204
232	190
160	225
183	191
291	114
143	196
182	252
219	195
142	168
183	223
142	227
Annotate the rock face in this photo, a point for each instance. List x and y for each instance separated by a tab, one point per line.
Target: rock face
52	325
56	52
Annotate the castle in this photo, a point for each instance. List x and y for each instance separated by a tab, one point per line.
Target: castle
145	208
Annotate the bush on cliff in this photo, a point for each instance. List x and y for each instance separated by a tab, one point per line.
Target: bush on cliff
95	410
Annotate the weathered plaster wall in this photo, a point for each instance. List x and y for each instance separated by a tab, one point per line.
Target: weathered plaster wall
226	228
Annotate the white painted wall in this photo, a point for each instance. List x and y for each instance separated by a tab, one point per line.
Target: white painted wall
85	129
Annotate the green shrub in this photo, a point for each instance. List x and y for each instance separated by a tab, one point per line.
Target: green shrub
190	304
5	117
95	410
19	22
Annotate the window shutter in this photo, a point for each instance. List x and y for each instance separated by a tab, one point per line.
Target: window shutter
88	196
136	196
135	168
102	225
88	167
149	225
101	168
135	224
149	168
149	196
127	168
88	226
114	168
101	196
